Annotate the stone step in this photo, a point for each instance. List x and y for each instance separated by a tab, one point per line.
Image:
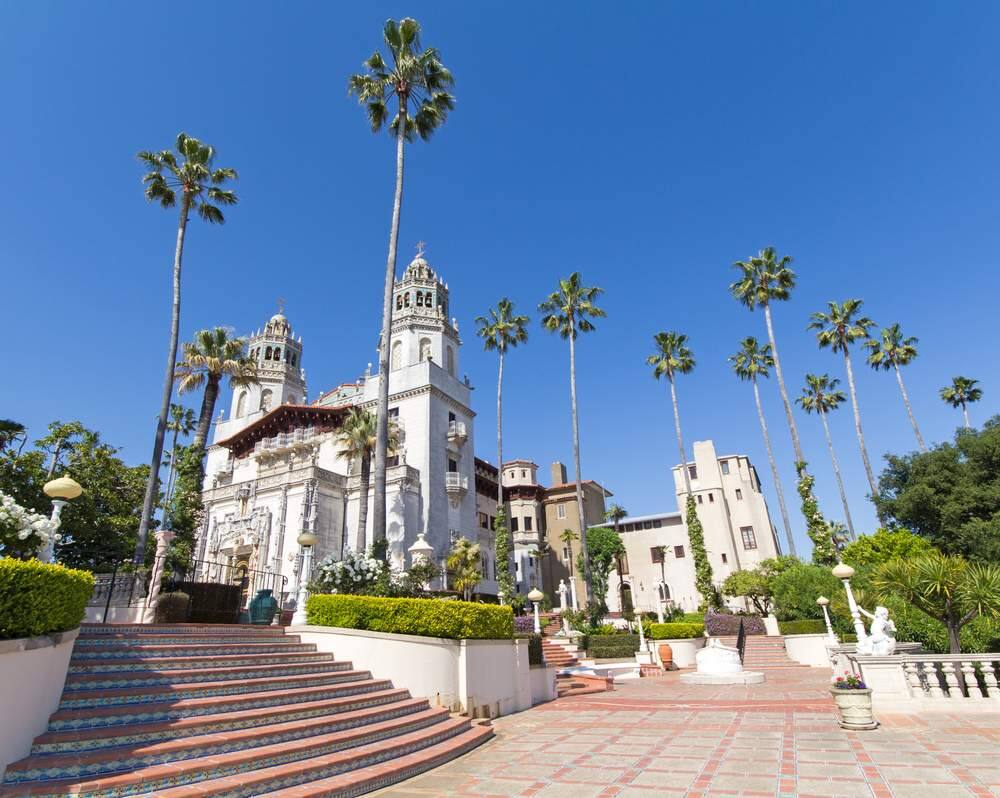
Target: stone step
82	653
140	663
104	715
386	773
91	739
144	678
88	699
88	630
258	769
222	754
138	642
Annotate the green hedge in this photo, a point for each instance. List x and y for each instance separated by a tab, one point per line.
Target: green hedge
38	599
676	631
456	620
692	617
535	656
612	646
808	626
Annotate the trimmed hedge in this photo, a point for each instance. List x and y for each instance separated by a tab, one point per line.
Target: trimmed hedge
39	599
720	624
612	646
455	620
535	656
676	631
808	626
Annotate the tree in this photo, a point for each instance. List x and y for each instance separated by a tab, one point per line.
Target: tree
567	536
181	422
961	393
949	589
751	362
199	183
464	565
838	329
949	495
869	551
820	396
357	439
12	432
418	83
891	351
185	510
752	585
604	547
795	590
210	357
568	311
501	330
615	513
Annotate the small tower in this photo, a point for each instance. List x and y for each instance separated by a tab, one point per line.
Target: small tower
278	355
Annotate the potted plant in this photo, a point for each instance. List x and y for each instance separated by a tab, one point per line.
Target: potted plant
854	702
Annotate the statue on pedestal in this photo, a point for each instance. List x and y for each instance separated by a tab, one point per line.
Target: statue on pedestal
880	641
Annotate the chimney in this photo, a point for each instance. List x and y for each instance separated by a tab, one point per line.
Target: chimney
558	473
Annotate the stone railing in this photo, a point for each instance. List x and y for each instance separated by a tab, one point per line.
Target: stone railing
285	440
931	678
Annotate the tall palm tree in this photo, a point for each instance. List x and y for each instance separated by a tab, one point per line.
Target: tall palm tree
211	356
181	423
568	311
615	513
191	172
751	362
961	393
891	352
567	536
766	278
673	357
417	82
838	328
357	438
820	396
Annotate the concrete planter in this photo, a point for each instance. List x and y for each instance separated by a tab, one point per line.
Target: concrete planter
855	709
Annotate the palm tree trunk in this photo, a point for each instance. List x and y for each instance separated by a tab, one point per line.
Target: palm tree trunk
857	424
774	469
794	430
382	406
965	415
836	472
153	480
500	433
909	410
680	439
171	472
208	400
576	460
366	467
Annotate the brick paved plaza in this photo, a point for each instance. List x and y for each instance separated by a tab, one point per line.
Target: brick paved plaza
659	737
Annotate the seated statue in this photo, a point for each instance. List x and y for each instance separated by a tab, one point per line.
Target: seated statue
880	641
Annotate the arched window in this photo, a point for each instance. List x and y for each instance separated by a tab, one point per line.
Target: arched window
241	404
425	349
267	353
406	299
294	358
265	399
399	301
397	356
429	299
664	592
420	299
277	353
451	361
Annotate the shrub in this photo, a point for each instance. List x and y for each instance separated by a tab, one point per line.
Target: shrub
808	626
676	631
691	617
524	624
38	599
796	589
456	620
173	607
534	648
719	624
612	646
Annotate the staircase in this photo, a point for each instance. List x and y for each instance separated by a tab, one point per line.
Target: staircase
763	653
564	655
182	711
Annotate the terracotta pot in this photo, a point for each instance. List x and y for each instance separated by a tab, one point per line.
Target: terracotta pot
855	708
666	656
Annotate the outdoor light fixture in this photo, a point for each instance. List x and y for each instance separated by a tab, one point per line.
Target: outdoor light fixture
60	490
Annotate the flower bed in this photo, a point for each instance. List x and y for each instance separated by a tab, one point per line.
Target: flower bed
719	624
456	620
676	631
38	599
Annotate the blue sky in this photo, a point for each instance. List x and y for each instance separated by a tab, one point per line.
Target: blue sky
646	145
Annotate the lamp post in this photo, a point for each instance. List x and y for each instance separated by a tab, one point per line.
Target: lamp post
535	597
61	491
831	638
844	572
306	540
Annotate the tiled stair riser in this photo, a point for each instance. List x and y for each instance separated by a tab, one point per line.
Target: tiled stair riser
151	679
109	652
137	643
101	666
113	629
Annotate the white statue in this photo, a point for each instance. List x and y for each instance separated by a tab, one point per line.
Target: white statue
880	641
716	658
563	590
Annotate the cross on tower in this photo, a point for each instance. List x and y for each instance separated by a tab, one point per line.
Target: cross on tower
420	248
281	305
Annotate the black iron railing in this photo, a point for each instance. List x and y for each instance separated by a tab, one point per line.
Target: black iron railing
741	640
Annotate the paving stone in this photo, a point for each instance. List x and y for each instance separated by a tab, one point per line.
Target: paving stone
825	787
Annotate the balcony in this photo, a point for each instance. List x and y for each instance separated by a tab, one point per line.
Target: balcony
457	433
456	485
284	441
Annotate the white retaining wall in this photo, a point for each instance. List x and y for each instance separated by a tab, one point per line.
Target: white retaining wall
808	650
684	650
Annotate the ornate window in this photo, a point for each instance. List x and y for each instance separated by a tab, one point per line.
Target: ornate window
267	353
429	299
420	299
265	399
425	349
397	356
241	404
399	301
277	353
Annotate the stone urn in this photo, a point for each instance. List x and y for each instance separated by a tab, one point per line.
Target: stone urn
855	708
263	606
666	656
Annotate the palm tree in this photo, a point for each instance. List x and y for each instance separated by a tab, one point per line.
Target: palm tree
838	329
200	189
10	432
417	81
357	438
464	564
821	396
767	278
568	311
673	357
615	513
961	393
181	423
211	356
892	352
567	536
751	362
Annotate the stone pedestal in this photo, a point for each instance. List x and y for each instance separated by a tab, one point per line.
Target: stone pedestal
163	538
720	664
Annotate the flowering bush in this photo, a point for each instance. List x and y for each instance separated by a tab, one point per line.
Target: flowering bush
356	573
719	624
22	532
849	682
524	623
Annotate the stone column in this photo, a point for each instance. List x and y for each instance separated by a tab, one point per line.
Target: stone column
163	538
572	591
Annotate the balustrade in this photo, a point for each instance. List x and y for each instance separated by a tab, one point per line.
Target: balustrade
971	677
